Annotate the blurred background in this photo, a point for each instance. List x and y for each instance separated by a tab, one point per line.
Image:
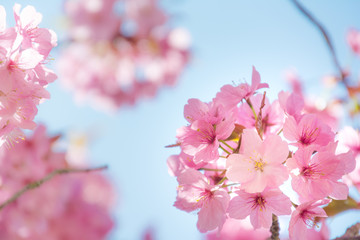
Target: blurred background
228	38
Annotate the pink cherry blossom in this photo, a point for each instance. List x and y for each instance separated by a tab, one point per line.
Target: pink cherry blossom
255	161
198	110
349	139
260	206
177	163
109	65
195	192
272	115
317	175
27	21
308	130
89	18
66	207
201	139
146	14
259	163
303	218
230	96
23	76
291	103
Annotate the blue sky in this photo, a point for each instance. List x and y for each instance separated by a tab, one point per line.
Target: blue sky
229	37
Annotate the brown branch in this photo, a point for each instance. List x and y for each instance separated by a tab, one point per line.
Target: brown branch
351	233
38	183
275	229
325	35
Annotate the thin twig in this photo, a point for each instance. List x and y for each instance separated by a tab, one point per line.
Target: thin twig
38	183
325	35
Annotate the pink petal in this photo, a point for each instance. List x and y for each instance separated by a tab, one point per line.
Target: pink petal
192	177
29	59
255	79
278	202
290	129
274	176
224	129
212	215
340	191
29	17
239	169
240	206
275	149
250	142
261	218
256	184
195	110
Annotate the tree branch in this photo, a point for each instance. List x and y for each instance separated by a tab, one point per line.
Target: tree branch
275	229
38	183
325	35
351	233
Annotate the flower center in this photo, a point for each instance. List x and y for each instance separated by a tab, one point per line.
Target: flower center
204	197
259	165
308	135
259	201
312	171
309	218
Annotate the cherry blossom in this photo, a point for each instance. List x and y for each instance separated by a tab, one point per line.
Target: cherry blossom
67	207
237	155
201	139
259	163
303	218
318	173
115	58
259	206
308	130
24	50
230	96
195	192
272	115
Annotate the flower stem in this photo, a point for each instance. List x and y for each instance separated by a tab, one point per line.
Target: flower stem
252	108
212	169
222	141
224	149
222	180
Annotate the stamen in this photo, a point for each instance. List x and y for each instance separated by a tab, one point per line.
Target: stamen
260	202
259	165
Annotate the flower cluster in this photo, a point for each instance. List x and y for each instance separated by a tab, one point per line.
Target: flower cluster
75	206
120	51
24	50
239	149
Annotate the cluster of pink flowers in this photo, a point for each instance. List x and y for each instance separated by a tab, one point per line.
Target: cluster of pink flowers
120	51
238	149
24	50
75	206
